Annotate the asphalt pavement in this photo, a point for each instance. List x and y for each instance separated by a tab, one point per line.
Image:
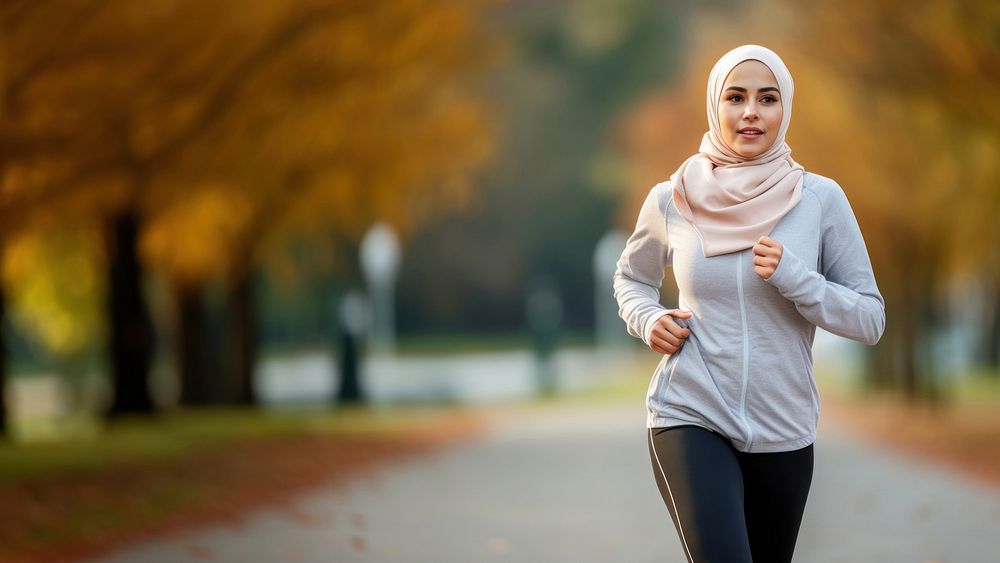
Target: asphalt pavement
572	482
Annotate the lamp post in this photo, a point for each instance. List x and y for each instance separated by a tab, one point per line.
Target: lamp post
544	313
351	322
380	254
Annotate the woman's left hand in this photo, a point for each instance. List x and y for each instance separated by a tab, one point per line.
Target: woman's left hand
767	254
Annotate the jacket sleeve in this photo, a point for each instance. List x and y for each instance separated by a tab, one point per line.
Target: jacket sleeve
640	269
842	296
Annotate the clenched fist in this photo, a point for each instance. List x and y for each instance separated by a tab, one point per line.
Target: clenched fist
766	255
667	336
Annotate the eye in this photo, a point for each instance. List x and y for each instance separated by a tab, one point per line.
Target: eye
768	99
735	98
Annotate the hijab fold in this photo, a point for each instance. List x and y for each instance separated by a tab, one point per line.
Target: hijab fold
730	200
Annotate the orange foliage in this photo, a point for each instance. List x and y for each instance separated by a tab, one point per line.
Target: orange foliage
892	100
236	125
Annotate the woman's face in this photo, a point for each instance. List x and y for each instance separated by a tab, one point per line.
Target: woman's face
750	109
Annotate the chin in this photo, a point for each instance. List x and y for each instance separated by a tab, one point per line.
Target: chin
750	152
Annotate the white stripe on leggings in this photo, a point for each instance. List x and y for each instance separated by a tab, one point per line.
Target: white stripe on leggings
676	511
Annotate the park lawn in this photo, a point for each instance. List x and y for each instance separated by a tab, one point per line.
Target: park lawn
142	477
961	432
446	344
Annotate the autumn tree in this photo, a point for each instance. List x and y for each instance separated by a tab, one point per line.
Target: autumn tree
35	151
252	121
890	102
925	155
370	116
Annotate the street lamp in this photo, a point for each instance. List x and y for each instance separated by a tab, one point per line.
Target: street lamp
380	254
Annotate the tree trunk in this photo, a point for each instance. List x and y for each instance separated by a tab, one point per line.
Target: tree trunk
883	361
991	338
131	329
349	329
191	352
242	340
349	364
3	361
906	342
922	319
929	319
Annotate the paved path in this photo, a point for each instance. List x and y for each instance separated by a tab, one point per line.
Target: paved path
573	483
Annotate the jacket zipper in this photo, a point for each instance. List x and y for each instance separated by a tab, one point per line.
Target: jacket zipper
746	349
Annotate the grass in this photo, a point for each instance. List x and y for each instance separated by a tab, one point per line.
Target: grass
146	476
171	435
437	344
150	440
978	389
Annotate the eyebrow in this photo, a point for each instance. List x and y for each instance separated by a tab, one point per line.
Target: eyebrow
744	90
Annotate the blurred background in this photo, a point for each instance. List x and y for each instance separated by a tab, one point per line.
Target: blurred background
216	206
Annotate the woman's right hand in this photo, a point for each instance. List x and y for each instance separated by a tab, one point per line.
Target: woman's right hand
667	336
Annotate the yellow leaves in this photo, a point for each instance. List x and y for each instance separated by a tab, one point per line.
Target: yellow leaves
55	288
191	240
221	116
893	102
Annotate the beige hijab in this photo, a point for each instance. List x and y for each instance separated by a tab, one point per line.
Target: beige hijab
732	201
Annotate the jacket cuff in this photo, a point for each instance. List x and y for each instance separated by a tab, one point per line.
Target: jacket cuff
789	273
648	329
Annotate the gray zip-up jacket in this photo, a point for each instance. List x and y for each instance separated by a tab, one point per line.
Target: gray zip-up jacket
745	370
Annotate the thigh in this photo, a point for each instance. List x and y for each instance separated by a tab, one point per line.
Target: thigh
699	479
776	486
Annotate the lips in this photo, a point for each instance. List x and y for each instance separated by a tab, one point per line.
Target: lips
750	131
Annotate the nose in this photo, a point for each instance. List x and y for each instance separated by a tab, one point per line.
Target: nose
750	112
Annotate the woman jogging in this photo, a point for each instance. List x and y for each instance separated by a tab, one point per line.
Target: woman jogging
763	252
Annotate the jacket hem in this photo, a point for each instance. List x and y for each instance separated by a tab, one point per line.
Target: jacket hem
783	446
661	421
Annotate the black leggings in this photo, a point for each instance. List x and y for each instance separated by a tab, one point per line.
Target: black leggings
730	506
